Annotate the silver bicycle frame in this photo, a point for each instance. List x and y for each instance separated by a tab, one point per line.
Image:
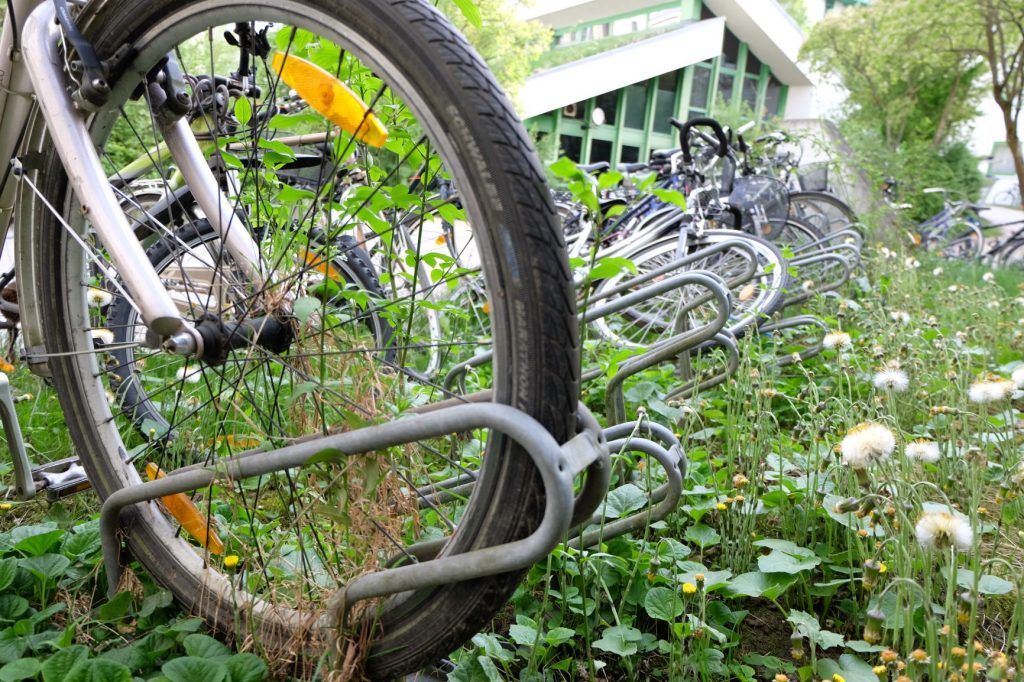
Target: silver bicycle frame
37	70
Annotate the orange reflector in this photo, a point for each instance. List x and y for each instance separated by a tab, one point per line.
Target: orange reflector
186	513
321	266
747	293
487	307
332	98
441	239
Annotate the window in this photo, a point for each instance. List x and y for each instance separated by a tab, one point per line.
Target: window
608	103
725	84
771	96
700	86
571	146
636	106
600	150
665	17
665	102
629	154
750	92
753	64
730	50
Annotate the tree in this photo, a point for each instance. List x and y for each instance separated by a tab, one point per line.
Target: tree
1002	46
902	66
508	44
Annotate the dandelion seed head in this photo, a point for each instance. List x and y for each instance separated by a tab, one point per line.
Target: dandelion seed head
99	297
922	450
990	389
866	444
988	277
104	336
837	341
1018	377
901	316
891	378
191	376
940	530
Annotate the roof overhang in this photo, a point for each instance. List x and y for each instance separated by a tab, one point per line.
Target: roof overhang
769	31
557	87
567	13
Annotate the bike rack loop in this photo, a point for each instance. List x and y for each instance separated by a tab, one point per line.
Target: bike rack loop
725	340
558	466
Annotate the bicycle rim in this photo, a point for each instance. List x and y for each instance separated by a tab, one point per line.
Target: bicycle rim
296	535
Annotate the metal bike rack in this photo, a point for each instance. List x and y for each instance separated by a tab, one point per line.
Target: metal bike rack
558	467
723	340
657	442
24	488
831	267
794	323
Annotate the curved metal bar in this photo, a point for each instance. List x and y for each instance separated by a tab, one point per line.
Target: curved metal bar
728	341
817	289
792	323
670	348
664	498
832	238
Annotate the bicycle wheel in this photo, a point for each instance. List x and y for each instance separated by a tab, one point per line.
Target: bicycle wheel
654	320
301	534
963	241
188	266
822	210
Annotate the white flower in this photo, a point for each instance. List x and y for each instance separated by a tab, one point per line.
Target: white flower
988	277
1019	300
99	297
939	530
837	341
192	376
808	285
937	272
892	379
911	263
922	450
990	390
104	336
866	444
900	316
1018	377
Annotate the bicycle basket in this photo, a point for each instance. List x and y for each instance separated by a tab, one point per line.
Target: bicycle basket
763	203
814	177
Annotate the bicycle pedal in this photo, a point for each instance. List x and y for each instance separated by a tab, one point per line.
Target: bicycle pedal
62	478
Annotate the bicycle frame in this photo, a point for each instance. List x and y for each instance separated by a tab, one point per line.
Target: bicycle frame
35	66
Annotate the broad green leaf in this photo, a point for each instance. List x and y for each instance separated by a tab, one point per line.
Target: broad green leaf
470	11
243	110
621	640
304	306
12	607
22	669
132	657
702	536
46	566
100	670
157	600
849	668
623	500
192	669
523	635
862	647
11	646
204	646
116	608
609	267
493	648
670	196
661	603
556	636
246	668
808	626
609	179
778	561
82	542
564	168
752	584
490	670
61	664
36	540
8	569
987	584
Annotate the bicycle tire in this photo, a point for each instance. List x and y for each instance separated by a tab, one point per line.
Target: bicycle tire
646	324
532	313
966	244
822	210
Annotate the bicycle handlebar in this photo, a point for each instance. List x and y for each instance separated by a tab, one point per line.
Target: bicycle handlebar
684	135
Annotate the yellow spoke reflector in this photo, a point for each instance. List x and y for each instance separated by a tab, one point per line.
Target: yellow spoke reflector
186	513
321	266
332	98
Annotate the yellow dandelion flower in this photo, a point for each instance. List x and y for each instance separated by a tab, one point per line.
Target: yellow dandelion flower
231	560
689	588
720	507
6	506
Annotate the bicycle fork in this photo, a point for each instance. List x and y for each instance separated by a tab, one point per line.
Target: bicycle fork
71	138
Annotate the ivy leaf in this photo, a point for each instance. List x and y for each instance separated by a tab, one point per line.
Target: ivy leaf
623	500
702	536
663	603
808	626
470	11
621	640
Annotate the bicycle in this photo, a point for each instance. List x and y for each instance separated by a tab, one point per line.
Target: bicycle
953	232
284	383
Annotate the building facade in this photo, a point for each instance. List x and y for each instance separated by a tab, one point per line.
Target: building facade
619	69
